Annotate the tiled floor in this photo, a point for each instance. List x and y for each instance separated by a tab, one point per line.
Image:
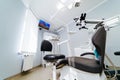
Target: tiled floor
38	73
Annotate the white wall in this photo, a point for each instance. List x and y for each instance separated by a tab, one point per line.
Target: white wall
64	45
11	21
12	13
78	37
75	37
113	45
38	57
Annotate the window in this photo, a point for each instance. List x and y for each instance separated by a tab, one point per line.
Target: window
29	35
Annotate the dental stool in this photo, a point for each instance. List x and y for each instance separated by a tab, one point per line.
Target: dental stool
52	58
46	47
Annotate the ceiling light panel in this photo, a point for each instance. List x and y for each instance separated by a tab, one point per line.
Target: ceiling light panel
77	0
63	1
60	6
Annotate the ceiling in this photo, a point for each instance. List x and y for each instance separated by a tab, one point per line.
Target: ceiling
47	10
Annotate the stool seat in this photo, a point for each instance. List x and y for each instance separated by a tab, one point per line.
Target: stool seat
53	57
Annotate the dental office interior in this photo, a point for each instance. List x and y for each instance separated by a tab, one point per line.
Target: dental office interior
59	40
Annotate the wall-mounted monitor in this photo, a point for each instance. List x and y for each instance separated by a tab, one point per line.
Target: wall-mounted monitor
44	24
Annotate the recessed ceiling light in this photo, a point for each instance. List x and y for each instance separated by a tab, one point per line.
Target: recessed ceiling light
63	1
68	3
60	6
70	6
77	0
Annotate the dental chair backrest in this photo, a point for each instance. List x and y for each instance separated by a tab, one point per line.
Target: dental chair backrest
99	41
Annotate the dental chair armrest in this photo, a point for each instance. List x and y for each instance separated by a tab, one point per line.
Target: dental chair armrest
87	53
117	53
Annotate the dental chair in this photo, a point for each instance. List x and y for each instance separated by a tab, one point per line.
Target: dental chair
80	68
46	46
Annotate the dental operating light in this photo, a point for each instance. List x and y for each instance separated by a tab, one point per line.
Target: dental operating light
112	21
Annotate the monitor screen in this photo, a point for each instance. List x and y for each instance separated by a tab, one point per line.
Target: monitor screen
44	24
